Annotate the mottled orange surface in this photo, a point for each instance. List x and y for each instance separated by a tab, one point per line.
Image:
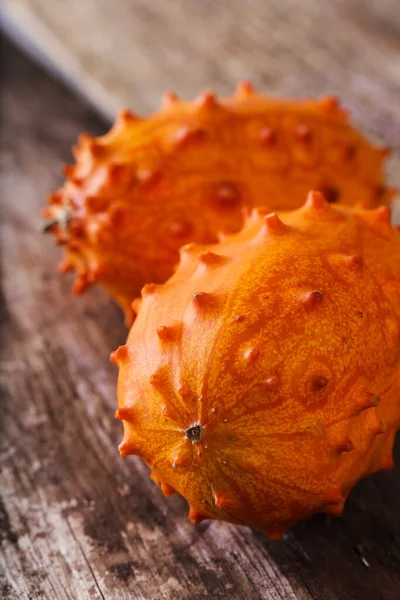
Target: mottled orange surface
262	381
150	185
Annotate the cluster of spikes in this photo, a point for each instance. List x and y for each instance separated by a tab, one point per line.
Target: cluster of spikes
188	172
262	380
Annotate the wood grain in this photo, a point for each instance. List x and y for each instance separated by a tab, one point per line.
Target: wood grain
129	53
77	521
126	54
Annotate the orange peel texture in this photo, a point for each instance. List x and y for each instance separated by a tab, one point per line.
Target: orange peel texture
262	381
138	193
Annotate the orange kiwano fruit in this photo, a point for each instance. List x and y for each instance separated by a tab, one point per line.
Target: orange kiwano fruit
185	173
262	381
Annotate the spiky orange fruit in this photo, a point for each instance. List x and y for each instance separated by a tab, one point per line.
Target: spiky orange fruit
262	381
150	185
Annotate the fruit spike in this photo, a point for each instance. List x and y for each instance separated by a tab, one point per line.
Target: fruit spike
127	446
120	355
184	135
319	382
245	88
383	214
251	355
187	172
210	258
274	226
201	300
125	413
354	262
303	133
195	516
268	136
317	205
169	99
165	333
207	101
345	445
264	413
311	299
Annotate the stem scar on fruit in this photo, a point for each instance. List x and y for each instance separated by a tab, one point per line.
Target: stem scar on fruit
60	219
194	434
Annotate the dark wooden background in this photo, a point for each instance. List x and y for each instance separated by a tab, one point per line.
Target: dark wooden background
78	522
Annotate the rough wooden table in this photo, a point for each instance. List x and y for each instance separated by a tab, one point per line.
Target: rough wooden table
127	54
78	522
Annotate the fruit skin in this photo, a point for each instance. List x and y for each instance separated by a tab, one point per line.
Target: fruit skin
138	193
262	381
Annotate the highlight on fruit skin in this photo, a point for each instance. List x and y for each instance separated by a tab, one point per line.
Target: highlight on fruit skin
136	194
262	381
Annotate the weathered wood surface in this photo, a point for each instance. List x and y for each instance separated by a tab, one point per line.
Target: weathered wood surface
77	521
128	53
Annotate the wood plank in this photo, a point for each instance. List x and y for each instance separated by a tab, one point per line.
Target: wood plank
78	522
128	53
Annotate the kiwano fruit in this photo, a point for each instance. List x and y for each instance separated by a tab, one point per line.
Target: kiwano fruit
262	381
138	193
